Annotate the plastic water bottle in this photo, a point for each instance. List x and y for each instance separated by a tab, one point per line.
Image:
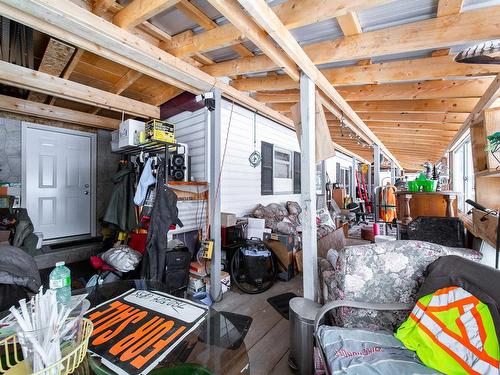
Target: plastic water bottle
60	281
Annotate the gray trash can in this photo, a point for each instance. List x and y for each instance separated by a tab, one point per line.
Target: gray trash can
302	314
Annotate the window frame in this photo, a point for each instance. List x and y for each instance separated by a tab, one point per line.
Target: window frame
283	185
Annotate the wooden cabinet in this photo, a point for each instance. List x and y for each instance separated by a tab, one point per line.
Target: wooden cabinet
338	196
411	205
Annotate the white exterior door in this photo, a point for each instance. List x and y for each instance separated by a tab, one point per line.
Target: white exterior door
57	176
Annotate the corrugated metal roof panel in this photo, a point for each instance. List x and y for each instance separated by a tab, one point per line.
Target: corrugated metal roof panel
317	32
222	54
396	13
476	4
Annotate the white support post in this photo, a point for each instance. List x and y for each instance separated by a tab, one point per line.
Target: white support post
393	172
353	179
215	199
376	177
308	186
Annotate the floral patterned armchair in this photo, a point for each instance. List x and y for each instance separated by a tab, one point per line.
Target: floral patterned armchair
387	272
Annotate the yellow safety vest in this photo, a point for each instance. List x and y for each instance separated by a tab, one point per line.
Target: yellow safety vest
453	332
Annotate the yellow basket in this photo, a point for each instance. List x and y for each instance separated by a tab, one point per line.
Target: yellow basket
13	365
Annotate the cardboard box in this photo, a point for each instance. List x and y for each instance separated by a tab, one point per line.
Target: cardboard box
195	285
225	281
299	260
129	133
227	219
162	131
283	247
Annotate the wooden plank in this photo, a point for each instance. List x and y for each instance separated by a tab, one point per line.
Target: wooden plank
417	106
268	20
436	33
471	88
18	76
54	60
26	107
237	16
349	23
101	6
414	125
91	33
193	12
449	7
428	68
139	11
489	97
414	117
293	13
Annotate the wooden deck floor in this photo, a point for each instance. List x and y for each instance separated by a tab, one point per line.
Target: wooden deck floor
268	337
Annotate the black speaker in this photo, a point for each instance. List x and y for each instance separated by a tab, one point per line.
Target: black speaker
179	164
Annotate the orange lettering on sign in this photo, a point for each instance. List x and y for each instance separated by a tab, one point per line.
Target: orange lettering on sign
116	319
109	334
140	360
118	306
147	341
129	340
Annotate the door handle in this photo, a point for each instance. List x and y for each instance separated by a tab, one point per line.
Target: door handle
87	185
86	192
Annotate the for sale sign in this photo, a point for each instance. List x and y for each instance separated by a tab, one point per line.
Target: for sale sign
136	330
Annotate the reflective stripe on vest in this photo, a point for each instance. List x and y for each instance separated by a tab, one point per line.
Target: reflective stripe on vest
468	349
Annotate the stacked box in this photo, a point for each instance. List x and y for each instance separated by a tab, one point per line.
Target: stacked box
162	131
225	279
195	285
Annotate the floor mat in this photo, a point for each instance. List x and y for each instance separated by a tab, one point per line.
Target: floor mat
227	330
281	303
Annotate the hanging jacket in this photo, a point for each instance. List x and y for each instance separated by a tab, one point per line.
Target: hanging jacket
163	214
121	209
387	203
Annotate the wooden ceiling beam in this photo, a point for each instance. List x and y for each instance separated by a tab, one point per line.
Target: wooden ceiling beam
491	94
18	76
197	15
54	60
70	68
46	111
349	23
66	21
449	7
270	22
436	33
412	117
456	105
293	14
237	16
470	88
139	11
428	68
102	6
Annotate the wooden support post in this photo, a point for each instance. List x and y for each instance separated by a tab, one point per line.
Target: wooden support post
308	186
215	200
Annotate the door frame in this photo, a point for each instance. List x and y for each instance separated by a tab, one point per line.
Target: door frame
25	125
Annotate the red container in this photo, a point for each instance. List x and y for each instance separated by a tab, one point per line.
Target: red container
137	241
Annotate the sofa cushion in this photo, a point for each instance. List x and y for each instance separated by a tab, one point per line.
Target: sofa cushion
363	352
382	272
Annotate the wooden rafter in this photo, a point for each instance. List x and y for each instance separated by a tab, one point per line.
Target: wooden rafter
349	24
139	11
436	33
237	16
94	34
193	12
449	7
54	60
17	76
27	107
428	68
293	13
457	105
70	68
270	22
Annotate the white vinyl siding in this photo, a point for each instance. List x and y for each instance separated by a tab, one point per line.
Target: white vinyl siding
240	182
191	128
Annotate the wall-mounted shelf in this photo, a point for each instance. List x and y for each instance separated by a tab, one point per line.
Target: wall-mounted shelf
489	173
156	146
190	190
188	183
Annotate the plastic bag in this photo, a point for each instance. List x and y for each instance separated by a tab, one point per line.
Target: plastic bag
122	258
